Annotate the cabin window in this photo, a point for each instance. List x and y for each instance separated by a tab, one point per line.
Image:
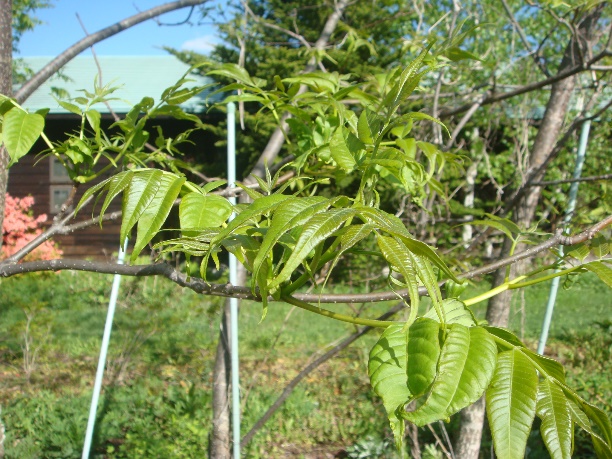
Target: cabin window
57	196
57	172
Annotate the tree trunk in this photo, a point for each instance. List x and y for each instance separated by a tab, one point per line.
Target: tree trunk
498	309
6	86
219	446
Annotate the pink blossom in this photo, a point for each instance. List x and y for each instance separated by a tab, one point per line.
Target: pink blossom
20	227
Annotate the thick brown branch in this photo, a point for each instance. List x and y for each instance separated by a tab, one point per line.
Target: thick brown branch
8	269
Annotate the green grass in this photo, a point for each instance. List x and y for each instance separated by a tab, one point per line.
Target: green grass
156	401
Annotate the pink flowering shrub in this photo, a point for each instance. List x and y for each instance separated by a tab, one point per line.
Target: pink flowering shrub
20	227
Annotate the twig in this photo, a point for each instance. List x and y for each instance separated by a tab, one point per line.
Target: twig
593	178
498	97
537	57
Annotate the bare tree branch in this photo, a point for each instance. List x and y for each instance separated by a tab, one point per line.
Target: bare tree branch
593	178
537	57
52	67
10	268
529	87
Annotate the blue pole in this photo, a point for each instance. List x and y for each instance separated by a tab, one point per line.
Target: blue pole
233	278
91	422
571	206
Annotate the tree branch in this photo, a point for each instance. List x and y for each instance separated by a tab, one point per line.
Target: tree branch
537	57
346	342
52	67
9	268
593	178
529	87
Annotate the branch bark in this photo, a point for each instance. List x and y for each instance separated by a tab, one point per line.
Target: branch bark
9	269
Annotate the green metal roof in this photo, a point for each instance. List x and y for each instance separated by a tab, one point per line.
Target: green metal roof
136	77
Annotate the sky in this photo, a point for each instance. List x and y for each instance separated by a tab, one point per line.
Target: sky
61	28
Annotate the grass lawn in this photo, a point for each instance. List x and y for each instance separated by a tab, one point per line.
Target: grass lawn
156	400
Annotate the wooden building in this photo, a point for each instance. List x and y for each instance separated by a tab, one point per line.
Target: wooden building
45	179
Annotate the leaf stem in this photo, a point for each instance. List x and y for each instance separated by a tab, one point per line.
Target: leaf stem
494	291
334	315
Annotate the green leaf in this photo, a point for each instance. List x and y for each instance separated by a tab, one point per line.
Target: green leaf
20	131
387	370
234	72
557	428
552	368
157	210
466	365
505	225
91	191
511	403
602	449
69	107
393	225
93	118
318	228
603	271
197	211
423	355
116	185
340	152
213	185
363	128
290	214
255	210
457	54
402	261
141	191
455	312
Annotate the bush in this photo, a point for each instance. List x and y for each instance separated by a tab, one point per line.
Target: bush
20	227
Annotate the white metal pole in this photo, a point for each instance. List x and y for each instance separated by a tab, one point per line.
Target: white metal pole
233	278
573	193
91	422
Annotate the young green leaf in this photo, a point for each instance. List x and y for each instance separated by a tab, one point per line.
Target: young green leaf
340	152
387	370
602	270
511	403
141	191
455	312
466	365
318	228
156	212
402	261
20	131
557	428
197	211
290	214
423	354
116	185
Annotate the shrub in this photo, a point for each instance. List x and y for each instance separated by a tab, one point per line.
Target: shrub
20	227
